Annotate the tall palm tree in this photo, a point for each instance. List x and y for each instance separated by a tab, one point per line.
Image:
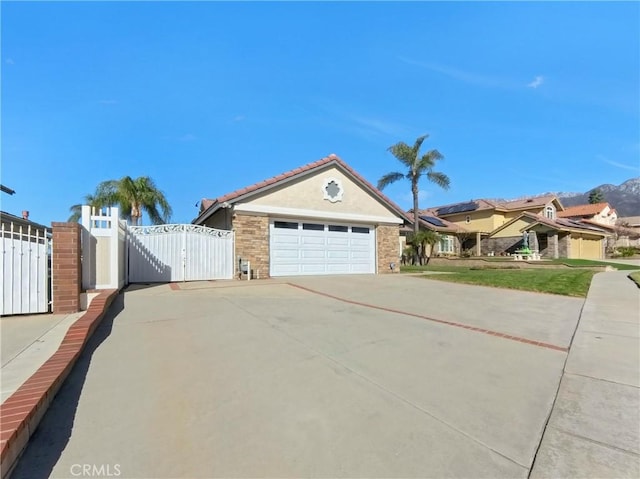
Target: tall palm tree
417	167
134	196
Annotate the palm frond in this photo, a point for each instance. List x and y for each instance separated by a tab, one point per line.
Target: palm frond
403	153
418	144
389	178
439	179
429	159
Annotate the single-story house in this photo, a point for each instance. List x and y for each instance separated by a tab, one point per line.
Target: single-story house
320	218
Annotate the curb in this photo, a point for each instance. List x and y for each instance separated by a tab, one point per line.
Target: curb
21	413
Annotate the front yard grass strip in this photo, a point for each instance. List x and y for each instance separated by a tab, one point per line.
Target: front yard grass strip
564	282
635	277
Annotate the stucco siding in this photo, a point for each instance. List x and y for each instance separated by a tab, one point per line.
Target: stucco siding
514	229
484	221
220	220
307	194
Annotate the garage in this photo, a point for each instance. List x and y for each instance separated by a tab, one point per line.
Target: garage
322	218
315	248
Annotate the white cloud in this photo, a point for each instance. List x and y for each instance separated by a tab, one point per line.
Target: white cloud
238	118
462	75
9	61
618	165
537	81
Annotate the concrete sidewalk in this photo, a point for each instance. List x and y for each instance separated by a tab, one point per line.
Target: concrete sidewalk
594	428
27	342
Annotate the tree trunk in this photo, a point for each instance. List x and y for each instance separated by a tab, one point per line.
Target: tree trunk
416	225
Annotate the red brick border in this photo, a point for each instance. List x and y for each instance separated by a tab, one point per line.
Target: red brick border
21	413
441	321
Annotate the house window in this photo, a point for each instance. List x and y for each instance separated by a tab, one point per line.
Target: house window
446	244
285	225
339	228
359	229
467	219
312	227
550	212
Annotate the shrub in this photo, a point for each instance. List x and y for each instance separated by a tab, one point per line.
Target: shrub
626	251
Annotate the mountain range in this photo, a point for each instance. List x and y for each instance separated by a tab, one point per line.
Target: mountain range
625	198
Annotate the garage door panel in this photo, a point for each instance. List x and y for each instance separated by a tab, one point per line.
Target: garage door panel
312	241
313	254
285	239
312	250
335	241
283	254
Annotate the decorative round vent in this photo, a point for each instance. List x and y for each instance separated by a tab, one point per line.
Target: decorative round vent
332	190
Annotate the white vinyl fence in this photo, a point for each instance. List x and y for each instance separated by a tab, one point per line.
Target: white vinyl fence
104	248
180	252
25	269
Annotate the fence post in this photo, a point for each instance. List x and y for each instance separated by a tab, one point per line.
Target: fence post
67	275
88	263
114	246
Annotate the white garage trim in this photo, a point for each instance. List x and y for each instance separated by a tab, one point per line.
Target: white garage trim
320	215
309	247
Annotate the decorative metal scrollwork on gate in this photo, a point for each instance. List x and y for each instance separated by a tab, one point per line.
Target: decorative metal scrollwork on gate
178	228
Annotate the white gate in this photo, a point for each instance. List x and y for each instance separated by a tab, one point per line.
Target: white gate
181	252
24	269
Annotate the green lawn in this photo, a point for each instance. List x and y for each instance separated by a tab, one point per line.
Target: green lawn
635	277
567	282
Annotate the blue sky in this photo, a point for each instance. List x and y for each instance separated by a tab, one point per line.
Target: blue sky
208	97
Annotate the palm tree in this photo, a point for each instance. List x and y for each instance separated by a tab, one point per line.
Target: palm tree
76	210
424	239
134	196
418	166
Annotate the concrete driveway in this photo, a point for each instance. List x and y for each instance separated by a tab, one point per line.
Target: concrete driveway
352	376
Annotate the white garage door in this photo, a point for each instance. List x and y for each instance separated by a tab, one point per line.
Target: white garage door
310	247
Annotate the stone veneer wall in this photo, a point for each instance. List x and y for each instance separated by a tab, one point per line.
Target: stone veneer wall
564	245
509	244
252	242
387	238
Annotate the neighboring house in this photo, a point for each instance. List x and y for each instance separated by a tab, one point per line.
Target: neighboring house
630	222
490	227
600	213
450	234
477	219
19	225
321	218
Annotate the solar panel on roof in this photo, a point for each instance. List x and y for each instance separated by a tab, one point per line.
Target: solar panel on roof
458	208
433	220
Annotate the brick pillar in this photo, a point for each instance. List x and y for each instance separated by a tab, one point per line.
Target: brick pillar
67	268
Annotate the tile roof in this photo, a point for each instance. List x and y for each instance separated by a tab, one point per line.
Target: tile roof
531	202
485	204
583	210
448	228
8	217
206	203
564	223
